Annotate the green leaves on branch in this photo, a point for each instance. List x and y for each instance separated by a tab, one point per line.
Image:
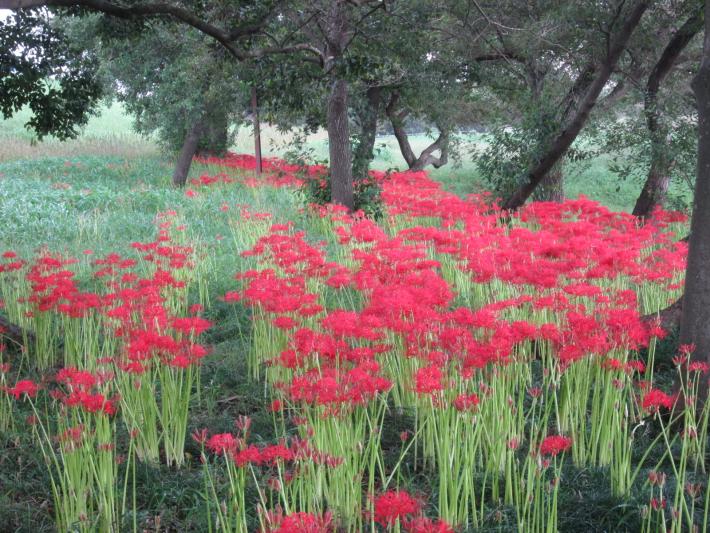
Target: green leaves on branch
40	69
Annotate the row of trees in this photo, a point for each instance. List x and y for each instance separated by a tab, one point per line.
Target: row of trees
536	73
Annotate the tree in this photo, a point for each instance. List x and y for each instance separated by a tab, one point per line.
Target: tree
599	75
176	82
658	178
61	112
397	117
41	70
545	77
695	316
384	50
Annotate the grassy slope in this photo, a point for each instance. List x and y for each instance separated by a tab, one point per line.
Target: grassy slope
103	191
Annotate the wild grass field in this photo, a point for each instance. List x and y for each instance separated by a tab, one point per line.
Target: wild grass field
97	195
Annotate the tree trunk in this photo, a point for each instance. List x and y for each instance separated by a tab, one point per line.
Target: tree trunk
552	187
188	151
656	186
567	136
364	152
695	318
339	149
427	156
654	189
341	178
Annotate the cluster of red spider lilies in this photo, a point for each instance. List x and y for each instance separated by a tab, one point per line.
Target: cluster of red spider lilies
514	348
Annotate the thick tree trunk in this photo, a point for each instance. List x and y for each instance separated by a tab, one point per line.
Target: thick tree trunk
339	149
188	151
364	152
552	187
427	157
656	186
654	189
695	318
567	136
341	178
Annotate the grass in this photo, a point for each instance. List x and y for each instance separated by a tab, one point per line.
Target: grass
103	191
109	136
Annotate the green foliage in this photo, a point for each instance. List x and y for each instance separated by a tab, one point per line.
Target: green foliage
167	77
316	190
510	152
628	145
40	69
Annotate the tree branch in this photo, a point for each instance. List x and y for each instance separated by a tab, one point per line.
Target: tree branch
426	157
226	38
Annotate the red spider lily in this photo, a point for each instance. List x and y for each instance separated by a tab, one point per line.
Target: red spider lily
654	399
194	325
299	522
333	388
23	387
466	402
249	455
555	445
275	454
428	380
698	366
395	505
91	402
423	524
78	379
222	443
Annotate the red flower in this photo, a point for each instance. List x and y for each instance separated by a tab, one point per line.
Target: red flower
301	522
465	402
275	454
232	296
221	443
428	380
555	445
191	325
698	366
423	524
23	387
284	322
394	505
655	399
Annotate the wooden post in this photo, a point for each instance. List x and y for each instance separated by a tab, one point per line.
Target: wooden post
257	130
